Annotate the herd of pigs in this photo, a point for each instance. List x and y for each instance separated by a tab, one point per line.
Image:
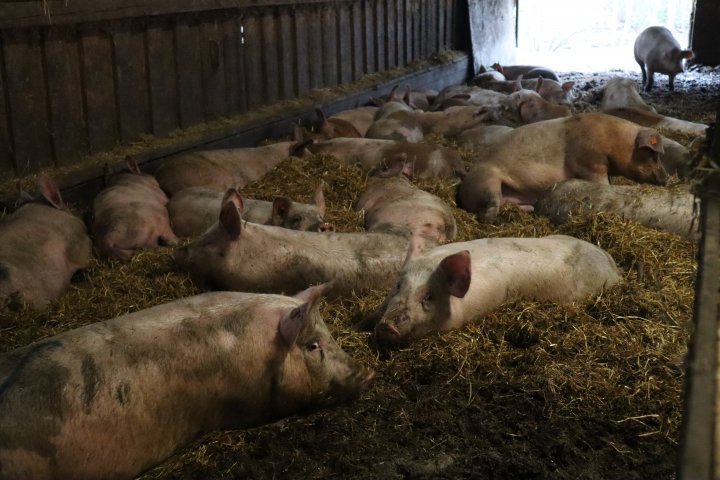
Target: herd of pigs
116	397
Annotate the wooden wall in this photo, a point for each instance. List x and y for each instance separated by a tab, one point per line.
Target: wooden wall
83	76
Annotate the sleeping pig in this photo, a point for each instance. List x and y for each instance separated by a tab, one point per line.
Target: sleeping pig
114	398
456	284
195	209
529	159
41	247
130	214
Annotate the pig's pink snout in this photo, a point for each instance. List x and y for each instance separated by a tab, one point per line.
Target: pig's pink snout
326	227
388	334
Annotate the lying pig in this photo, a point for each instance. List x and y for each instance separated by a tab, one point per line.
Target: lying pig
480	97
195	209
456	284
656	50
532	107
551	90
130	214
223	169
360	118
428	161
334	127
41	247
114	398
243	256
622	92
512	72
390	199
483	136
589	146
669	210
655	120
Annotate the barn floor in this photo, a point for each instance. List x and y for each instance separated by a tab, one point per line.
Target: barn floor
535	390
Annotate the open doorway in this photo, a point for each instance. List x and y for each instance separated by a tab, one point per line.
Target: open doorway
568	35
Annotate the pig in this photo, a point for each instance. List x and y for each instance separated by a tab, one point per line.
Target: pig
656	50
483	136
193	210
656	120
512	72
455	284
41	247
334	127
551	90
114	398
420	99
622	92
532	157
532	107
390	199
395	121
130	214
660	208
243	256
361	117
481	97
223	169
428	161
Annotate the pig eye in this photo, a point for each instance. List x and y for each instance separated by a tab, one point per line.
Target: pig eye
295	222
427	300
314	346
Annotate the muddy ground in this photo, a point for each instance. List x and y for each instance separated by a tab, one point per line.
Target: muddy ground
533	391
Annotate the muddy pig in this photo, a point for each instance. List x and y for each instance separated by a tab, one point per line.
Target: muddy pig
195	209
41	247
429	161
456	284
390	199
529	159
114	398
130	214
656	50
243	256
660	208
223	169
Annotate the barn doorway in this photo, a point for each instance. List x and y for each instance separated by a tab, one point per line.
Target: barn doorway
568	35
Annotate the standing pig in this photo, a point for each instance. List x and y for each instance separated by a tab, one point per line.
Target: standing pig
529	159
223	169
41	247
193	210
656	50
456	284
428	161
659	208
243	256
390	199
131	214
114	398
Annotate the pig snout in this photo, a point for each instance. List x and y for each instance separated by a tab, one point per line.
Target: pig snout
387	334
326	227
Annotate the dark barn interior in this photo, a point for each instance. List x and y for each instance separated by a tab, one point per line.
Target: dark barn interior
595	389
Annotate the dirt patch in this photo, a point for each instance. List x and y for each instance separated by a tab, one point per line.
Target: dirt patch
534	390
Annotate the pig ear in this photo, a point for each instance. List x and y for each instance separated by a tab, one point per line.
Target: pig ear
539	83
233	196
649	138
517	85
687	54
230	220
50	191
297	149
456	270
132	165
320	198
311	294
298	319
281	207
566	86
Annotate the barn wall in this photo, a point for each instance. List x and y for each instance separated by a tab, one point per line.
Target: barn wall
705	39
84	76
492	26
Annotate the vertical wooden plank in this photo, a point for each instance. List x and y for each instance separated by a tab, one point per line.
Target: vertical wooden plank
302	40
189	72
315	46
391	27
401	31
162	77
213	67
288	67
432	26
231	58
253	60
271	55
380	36
97	73
358	44
450	24
7	156
424	46
442	11
417	30
67	119
329	46
345	50
131	81
28	99
369	37
409	31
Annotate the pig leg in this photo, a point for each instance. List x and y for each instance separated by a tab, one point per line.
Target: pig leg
671	82
644	73
650	79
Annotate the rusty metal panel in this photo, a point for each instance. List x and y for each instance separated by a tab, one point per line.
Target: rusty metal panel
231	42
315	46
162	78
380	36
391	28
358	45
64	83
27	99
400	32
369	35
131	80
345	50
